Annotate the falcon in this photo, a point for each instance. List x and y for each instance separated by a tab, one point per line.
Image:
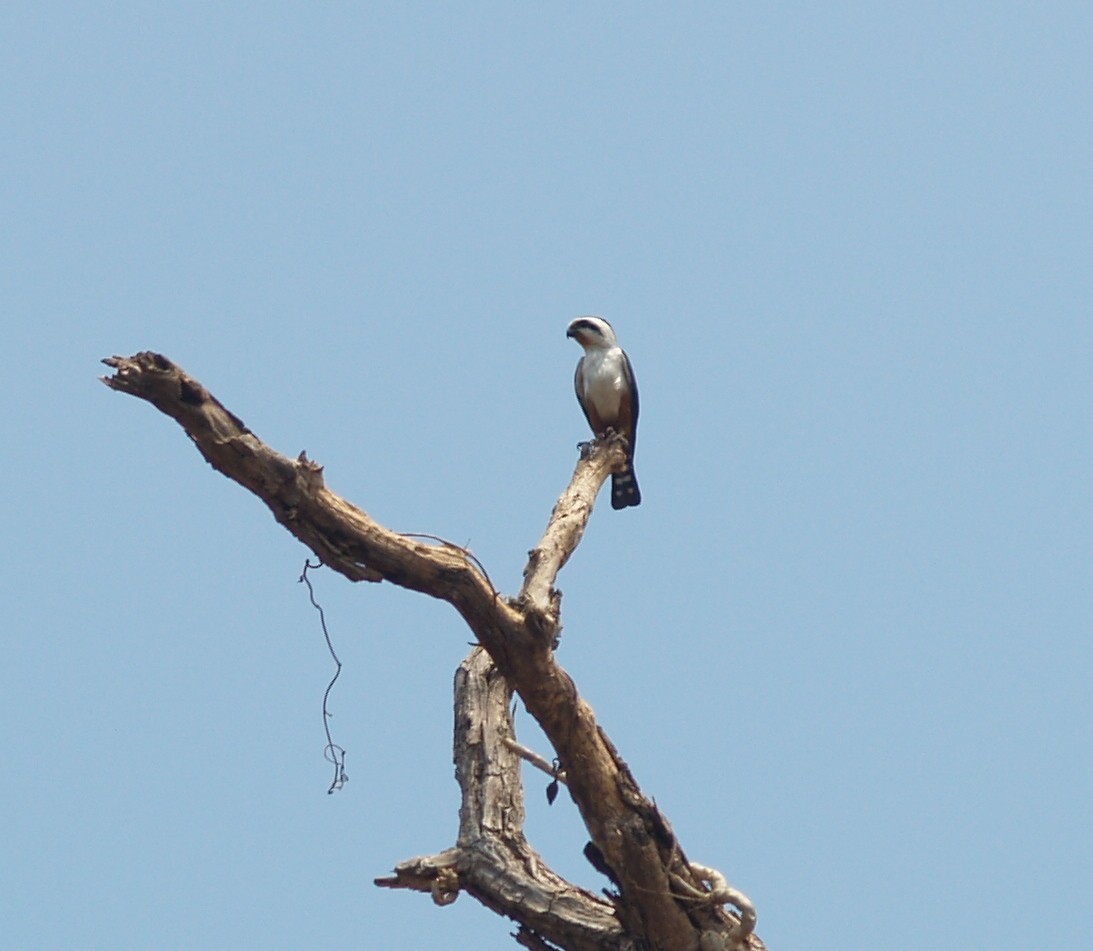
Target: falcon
608	394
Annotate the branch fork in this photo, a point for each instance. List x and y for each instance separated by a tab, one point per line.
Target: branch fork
660	900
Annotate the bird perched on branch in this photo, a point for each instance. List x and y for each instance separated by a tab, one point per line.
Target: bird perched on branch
608	394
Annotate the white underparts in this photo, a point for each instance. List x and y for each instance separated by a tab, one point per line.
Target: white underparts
604	382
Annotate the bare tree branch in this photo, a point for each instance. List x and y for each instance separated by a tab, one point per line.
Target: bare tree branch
530	756
492	860
663	902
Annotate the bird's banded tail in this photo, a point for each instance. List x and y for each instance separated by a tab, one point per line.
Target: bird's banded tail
624	489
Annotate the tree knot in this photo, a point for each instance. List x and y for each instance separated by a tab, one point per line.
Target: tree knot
445	888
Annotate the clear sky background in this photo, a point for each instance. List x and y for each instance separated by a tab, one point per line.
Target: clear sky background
845	640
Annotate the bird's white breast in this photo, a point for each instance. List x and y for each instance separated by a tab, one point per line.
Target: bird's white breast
604	381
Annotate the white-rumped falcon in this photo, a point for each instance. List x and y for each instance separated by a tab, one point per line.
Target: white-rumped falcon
608	394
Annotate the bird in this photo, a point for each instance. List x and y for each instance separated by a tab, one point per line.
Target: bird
608	394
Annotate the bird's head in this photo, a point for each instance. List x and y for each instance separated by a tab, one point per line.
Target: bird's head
592	333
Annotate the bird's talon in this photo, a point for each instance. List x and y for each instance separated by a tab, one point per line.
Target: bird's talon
611	437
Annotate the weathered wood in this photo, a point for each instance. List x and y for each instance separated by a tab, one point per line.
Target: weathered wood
492	860
662	902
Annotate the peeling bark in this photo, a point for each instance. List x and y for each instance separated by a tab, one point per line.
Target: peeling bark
491	859
662	901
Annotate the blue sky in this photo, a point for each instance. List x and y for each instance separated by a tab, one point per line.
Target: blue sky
845	640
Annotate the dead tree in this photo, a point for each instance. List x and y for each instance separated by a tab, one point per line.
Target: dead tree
659	899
